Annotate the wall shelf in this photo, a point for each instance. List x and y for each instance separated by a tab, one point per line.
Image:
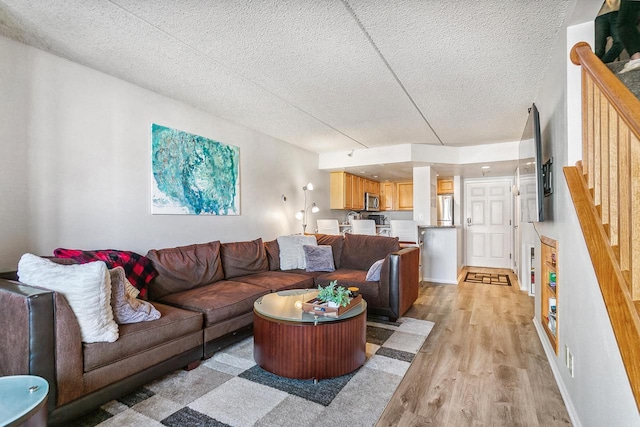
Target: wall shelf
550	285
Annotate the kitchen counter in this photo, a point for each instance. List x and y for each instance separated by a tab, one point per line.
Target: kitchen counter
441	253
383	229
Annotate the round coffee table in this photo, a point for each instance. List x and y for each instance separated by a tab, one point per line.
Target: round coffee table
24	400
294	344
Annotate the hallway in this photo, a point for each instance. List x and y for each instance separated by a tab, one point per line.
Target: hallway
483	364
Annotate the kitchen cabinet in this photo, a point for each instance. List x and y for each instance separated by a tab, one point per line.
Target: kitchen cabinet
372	187
387	195
404	191
396	196
347	191
357	201
445	186
340	190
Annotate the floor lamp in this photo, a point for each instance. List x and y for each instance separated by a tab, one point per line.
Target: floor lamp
302	214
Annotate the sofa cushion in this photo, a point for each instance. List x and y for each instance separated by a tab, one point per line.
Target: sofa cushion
242	258
336	242
273	254
218	301
279	280
86	287
140	337
318	258
185	267
291	252
360	251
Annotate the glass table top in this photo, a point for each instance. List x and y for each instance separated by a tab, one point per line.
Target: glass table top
19	395
287	305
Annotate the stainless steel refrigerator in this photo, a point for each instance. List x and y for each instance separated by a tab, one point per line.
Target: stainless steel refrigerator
445	209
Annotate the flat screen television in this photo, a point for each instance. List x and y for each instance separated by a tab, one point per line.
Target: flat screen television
534	175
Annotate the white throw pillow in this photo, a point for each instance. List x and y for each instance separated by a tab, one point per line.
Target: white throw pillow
86	287
292	251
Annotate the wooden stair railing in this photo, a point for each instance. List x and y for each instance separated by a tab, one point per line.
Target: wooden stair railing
605	188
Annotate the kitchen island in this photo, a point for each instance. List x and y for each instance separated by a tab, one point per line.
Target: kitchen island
441	253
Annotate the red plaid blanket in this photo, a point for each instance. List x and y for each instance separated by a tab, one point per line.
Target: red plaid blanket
138	268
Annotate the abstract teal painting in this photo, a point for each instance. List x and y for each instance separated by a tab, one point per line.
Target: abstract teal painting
192	174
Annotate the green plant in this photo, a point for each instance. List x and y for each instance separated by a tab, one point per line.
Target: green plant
339	295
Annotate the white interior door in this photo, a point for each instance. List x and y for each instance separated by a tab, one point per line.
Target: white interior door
487	222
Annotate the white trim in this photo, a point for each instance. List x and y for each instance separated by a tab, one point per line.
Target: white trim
440	281
548	351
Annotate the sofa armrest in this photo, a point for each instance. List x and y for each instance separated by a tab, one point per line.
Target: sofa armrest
27	337
402	280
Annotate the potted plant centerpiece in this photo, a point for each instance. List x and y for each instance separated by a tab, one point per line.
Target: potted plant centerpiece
334	296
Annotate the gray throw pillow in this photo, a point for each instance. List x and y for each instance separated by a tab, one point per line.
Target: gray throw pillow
319	258
126	307
373	275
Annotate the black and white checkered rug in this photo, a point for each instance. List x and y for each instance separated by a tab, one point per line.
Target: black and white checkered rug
231	390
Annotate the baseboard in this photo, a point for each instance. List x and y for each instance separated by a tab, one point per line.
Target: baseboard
439	281
548	351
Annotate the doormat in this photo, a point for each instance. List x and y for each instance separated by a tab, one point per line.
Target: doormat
488	278
229	389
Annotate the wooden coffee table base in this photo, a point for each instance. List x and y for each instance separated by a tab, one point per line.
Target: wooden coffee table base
307	351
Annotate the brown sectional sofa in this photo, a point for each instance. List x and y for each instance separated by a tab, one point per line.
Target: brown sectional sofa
205	293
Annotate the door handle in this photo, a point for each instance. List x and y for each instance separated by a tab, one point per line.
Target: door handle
468	220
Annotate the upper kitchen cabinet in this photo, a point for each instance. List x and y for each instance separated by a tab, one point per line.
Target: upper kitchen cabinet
396	196
357	192
372	187
445	186
387	195
347	191
404	191
341	191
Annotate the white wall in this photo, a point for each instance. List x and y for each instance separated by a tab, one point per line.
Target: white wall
599	393
13	158
75	160
424	182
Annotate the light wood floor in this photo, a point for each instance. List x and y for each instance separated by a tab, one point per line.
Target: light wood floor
482	365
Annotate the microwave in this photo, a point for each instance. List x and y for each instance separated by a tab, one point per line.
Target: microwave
371	202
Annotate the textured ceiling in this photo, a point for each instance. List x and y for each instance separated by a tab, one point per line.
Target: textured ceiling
323	75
